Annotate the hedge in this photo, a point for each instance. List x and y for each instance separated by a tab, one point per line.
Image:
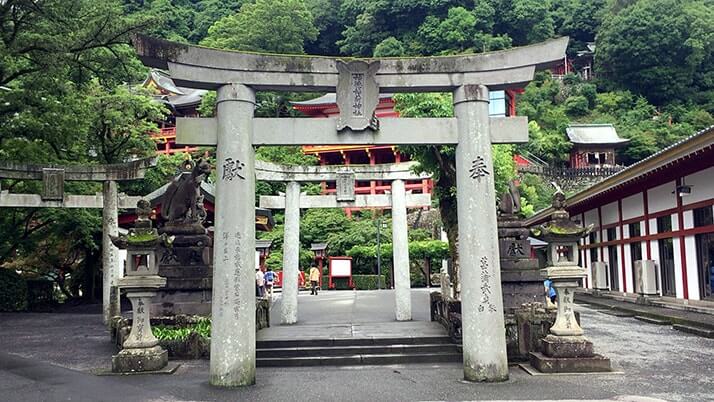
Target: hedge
13	291
368	282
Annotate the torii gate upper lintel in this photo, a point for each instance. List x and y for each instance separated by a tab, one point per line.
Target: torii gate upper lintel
237	75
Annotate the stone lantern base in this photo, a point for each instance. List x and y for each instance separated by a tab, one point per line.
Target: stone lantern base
568	354
140	360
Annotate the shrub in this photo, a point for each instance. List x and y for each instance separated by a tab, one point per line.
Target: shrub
13	291
368	282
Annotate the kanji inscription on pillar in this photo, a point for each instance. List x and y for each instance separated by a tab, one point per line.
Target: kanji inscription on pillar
485	303
478	168
357	95
232	169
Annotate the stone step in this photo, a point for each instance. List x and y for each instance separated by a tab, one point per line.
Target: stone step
705	332
651	320
355	350
328	342
365	359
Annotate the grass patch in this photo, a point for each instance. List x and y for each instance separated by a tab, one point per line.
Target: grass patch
164	332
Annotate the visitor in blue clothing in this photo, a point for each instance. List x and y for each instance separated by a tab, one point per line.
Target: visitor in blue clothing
550	290
269	280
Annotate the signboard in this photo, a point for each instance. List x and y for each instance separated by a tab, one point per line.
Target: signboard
340	267
345	186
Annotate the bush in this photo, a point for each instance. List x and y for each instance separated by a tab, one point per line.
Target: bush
13	291
368	282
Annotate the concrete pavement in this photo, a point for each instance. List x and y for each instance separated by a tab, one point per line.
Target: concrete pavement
50	357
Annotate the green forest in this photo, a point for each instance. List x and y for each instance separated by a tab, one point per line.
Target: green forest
70	94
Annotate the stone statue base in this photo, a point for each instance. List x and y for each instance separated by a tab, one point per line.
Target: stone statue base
568	354
187	291
187	267
132	360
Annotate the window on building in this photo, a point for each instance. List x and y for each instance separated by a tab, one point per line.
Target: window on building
593	250
497	103
703	217
705	252
635	229
612	234
664	224
666	266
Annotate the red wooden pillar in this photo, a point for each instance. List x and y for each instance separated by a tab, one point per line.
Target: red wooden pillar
372	162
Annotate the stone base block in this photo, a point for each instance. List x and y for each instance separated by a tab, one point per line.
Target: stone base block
545	364
139	360
567	346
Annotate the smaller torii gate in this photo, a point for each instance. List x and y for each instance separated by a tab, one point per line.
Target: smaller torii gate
53	196
345	177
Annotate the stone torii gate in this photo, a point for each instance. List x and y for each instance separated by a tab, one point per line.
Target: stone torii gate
345	177
53	196
235	131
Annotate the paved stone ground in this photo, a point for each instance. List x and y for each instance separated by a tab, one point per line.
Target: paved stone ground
49	357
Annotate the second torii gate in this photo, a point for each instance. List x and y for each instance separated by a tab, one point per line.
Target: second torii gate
345	177
236	76
53	196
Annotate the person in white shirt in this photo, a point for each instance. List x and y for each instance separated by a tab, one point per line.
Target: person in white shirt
259	283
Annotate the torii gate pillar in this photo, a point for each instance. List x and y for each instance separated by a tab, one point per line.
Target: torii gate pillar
400	251
112	266
233	311
484	334
291	254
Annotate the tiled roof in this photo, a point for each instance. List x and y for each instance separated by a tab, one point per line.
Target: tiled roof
594	134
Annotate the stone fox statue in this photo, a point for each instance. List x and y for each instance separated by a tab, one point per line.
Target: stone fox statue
182	195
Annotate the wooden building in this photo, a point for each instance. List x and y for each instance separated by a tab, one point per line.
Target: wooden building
594	145
659	209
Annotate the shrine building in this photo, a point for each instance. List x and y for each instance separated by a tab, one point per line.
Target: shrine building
594	145
653	224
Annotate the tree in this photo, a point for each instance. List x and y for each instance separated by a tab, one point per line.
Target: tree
65	101
661	49
278	26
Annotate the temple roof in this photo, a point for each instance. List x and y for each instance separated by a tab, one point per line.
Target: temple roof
171	94
318	246
594	134
330	99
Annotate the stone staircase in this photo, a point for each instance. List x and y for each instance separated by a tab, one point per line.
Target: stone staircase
357	351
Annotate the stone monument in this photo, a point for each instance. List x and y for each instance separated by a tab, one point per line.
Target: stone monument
565	349
520	278
186	262
141	349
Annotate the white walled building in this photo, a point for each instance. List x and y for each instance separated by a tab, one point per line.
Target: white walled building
661	209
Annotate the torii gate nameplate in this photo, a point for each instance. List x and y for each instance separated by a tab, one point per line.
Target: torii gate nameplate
357	95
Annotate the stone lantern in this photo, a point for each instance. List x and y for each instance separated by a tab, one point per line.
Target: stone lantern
141	350
565	349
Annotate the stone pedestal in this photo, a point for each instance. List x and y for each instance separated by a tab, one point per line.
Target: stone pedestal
140	360
141	351
186	264
520	277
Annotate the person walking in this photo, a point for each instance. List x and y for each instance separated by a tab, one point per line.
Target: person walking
259	283
314	280
269	280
